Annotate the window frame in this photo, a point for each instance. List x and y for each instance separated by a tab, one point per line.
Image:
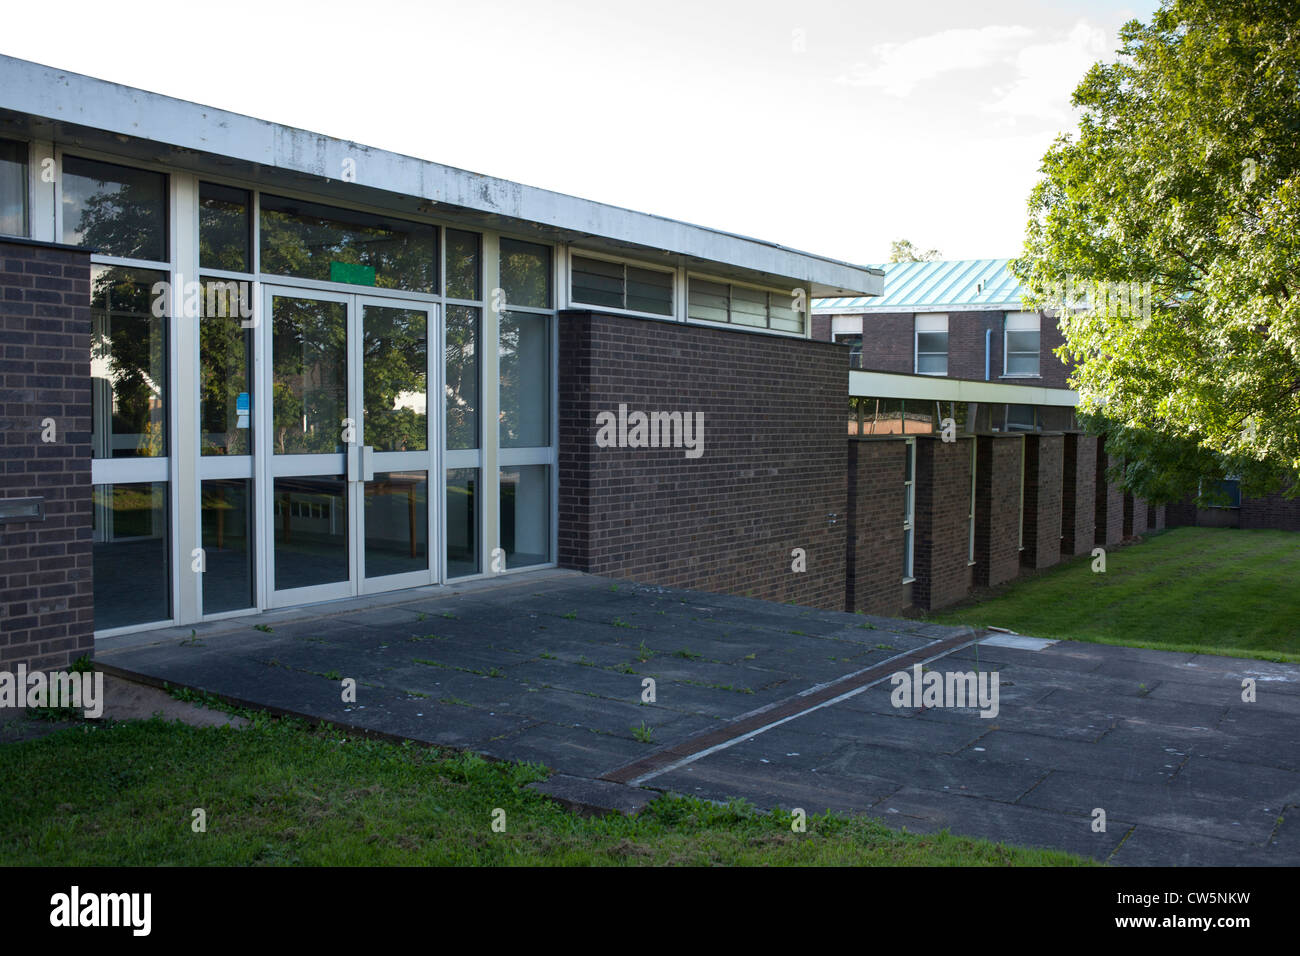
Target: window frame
769	290
917	332
571	254
29	192
1007	329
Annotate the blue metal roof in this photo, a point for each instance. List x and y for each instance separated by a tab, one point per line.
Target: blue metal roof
961	284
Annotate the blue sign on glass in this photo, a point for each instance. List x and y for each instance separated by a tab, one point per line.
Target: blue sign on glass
241	404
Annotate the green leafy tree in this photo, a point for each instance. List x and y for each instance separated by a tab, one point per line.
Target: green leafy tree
902	250
1182	181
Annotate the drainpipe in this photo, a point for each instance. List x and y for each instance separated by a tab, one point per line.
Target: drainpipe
988	345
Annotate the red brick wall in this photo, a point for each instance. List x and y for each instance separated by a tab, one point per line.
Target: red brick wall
1273	511
772	477
1044	460
1110	502
1078	493
46	606
1155	517
941	564
874	571
1135	515
997	508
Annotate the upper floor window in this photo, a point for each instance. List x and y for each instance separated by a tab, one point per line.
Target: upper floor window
13	188
854	342
526	274
744	305
225	228
618	285
931	344
116	210
1223	493
1020	346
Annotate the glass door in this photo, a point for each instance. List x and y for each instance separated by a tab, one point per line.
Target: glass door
347	445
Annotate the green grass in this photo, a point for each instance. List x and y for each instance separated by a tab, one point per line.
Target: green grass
1200	590
278	793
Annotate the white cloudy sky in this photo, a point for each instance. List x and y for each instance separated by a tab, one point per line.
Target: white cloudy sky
828	125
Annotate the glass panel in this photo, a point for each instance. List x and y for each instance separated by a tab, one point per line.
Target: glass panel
1022	353
225	373
782	314
932	364
227	516
395	349
525	369
462	358
908	462
526	273
128	364
311	531
225	234
116	210
748	307
397	523
708	301
649	290
464	265
597	282
310	378
462	522
341	245
13	188
526	515
131	561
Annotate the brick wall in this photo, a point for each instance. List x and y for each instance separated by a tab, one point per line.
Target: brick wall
1110	502
1044	460
1272	511
874	566
1135	515
942	545
774	465
1155	517
46	610
997	508
888	342
1078	493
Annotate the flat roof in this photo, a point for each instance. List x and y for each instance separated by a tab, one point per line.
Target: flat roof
949	285
61	105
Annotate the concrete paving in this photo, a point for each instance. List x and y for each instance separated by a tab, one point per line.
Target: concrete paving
549	667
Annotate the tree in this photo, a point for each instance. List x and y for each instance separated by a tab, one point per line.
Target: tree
1182	184
902	250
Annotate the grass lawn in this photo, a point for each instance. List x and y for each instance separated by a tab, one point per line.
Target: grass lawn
280	793
1206	590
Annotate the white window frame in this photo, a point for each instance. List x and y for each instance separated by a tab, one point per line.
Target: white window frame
1021	322
933	319
723	280
836	336
572	302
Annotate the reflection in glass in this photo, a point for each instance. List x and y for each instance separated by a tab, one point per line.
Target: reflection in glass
526	515
395	378
310	379
462	522
116	210
397	523
462	371
311	531
227	517
13	188
463	265
525	370
526	273
320	242
225	236
225	366
131	563
128	364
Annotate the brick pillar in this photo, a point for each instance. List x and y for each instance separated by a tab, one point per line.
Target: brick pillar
941	561
997	508
1044	460
1156	518
46	566
1135	515
1110	502
874	565
1078	493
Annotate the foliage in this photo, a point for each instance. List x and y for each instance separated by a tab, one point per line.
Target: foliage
902	250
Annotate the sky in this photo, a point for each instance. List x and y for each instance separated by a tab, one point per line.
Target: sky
829	126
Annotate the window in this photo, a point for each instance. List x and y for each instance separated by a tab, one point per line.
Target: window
525	494
464	265
617	285
743	305
13	188
1224	493
854	342
1021	418
225	228
116	210
524	352
462	376
312	241
1020	344
128	364
526	274
931	344
909	505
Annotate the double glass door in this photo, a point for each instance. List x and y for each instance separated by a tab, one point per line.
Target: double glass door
348	444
